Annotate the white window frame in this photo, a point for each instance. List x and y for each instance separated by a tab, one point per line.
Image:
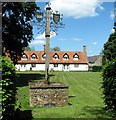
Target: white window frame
24	57
55	65
65	57
33	65
33	58
75	57
76	65
44	56
55	57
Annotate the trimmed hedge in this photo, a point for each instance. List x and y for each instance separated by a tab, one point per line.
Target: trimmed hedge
109	87
8	88
97	68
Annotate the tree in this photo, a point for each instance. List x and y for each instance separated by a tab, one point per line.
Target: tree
55	49
110	46
109	87
109	75
104	60
16	29
9	89
29	48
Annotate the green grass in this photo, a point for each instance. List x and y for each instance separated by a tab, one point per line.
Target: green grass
85	98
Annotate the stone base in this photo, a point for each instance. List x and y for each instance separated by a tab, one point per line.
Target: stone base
41	94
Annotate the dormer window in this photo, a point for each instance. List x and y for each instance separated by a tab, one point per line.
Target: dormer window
43	56
33	57
76	57
24	57
65	57
55	57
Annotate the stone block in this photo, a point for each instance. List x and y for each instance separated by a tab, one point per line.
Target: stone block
41	94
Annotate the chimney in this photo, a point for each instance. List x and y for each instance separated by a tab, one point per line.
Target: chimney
44	48
84	49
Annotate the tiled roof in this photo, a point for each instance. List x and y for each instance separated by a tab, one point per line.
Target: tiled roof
82	58
92	59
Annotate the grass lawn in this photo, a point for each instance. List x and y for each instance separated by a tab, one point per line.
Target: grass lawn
84	95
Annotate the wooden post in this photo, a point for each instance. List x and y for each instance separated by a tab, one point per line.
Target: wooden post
47	50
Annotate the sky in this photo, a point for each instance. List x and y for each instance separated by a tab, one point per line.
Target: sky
86	23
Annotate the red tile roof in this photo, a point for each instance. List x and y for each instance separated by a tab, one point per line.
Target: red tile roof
82	57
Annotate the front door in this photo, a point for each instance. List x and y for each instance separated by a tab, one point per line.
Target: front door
66	67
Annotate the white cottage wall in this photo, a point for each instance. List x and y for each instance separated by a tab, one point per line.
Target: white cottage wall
79	67
59	68
39	67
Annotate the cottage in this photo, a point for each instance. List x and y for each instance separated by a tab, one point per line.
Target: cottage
59	61
95	60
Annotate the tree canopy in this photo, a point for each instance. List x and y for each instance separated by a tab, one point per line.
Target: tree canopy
110	46
16	28
109	75
29	48
55	49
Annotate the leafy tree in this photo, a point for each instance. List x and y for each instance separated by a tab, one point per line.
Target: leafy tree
29	48
55	49
104	60
109	87
110	46
109	75
16	28
8	88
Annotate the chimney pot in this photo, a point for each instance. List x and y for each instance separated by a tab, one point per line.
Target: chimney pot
84	48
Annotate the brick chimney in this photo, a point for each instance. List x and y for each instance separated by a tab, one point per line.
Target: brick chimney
84	49
44	48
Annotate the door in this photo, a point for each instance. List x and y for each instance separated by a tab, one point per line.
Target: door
66	67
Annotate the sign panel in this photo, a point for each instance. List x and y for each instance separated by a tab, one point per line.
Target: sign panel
56	18
39	16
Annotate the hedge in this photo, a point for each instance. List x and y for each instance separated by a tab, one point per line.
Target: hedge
8	87
109	87
97	68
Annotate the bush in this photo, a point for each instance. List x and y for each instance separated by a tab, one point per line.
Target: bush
8	87
52	70
30	68
109	87
97	68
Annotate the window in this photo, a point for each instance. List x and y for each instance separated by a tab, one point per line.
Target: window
23	65
33	65
43	56
65	57
76	65
55	65
75	57
55	57
24	57
33	57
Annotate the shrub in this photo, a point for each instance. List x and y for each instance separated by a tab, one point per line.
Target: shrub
109	87
30	68
8	87
97	68
52	70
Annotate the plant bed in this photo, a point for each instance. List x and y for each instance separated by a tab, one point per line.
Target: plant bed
54	94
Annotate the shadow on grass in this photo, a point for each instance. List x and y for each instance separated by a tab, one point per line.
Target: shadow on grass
96	111
23	115
69	98
24	78
19	115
